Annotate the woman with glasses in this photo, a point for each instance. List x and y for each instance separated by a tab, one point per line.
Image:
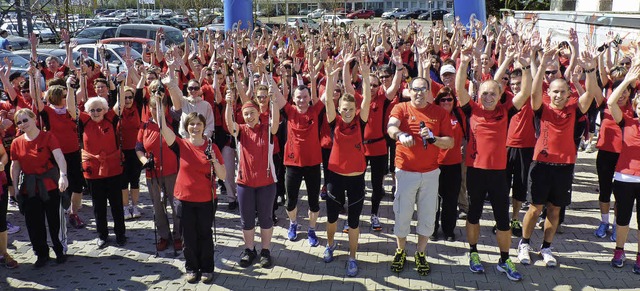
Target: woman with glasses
32	156
102	162
129	125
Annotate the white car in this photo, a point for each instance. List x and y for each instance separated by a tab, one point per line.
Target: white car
336	19
42	32
114	55
315	14
395	13
300	22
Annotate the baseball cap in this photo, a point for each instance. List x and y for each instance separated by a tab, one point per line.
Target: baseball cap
447	69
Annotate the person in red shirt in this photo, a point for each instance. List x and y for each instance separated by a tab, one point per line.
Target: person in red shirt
347	163
626	186
9	262
129	126
41	183
486	157
161	173
200	163
554	156
417	168
256	175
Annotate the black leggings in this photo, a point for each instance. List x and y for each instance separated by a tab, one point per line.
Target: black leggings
326	153
606	167
448	190
378	170
481	182
336	187
391	148
4	203
293	180
105	190
626	193
132	168
518	163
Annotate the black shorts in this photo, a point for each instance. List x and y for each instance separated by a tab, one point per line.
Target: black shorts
550	183
74	172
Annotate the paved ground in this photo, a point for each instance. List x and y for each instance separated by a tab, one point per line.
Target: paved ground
584	259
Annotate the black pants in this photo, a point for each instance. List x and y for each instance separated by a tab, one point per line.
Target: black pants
378	170
606	167
4	203
448	190
483	183
326	153
35	212
103	190
293	180
518	163
197	218
336	188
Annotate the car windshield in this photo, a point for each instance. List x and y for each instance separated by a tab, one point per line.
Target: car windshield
18	62
90	33
121	51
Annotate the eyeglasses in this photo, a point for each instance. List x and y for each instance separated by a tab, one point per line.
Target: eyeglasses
218	72
625	64
507	78
375	85
96	110
128	97
261	96
446	100
384	77
209	75
193	88
551	72
419	89
100	87
22	121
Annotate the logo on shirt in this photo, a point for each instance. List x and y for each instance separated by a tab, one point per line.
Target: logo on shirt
40	149
105	130
358	146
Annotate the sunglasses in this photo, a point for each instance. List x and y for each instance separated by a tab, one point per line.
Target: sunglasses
507	79
625	64
551	72
22	121
261	96
209	75
96	110
446	99
128	97
384	77
419	89
193	88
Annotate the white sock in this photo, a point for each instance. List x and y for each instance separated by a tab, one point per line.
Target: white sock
605	217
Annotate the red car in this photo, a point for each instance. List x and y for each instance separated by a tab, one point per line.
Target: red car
363	14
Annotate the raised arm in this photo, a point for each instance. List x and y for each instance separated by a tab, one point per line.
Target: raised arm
71	96
365	65
525	89
589	67
612	102
397	77
536	90
461	73
230	99
167	131
331	72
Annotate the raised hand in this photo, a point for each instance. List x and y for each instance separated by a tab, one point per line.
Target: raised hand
587	60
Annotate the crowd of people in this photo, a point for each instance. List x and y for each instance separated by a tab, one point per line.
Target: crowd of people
457	116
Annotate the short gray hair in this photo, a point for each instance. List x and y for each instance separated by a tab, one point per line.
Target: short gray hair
101	102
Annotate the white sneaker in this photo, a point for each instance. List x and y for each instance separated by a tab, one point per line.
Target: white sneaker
548	258
590	148
136	212
523	254
127	212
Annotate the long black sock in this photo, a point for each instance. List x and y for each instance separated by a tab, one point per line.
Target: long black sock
525	240
473	248
619	248
504	256
545	244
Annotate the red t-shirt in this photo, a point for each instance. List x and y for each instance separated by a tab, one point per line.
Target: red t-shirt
487	136
453	155
194	182
48	75
129	126
347	156
610	137
148	137
555	142
256	168
629	160
376	127
522	133
35	157
100	141
417	158
303	137
63	127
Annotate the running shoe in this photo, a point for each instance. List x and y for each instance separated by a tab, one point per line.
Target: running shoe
548	258
323	192
328	252
293	231
265	259
516	228
128	215
601	232
191	277
422	266
636	266
345	227
525	205
162	245
614	234
352	267
135	212
247	257
9	262
590	148
618	258
509	268
11	229
177	244
474	263
312	238
375	223
75	221
399	259
207	277
523	254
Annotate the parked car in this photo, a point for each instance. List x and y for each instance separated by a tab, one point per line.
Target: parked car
361	14
92	34
19	64
435	14
107	23
304	12
114	54
395	13
300	22
44	53
336	19
378	12
172	34
18	42
43	33
135	42
315	14
413	14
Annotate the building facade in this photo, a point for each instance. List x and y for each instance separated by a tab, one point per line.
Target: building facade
293	7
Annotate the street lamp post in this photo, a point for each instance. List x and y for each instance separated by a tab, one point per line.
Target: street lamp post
430	11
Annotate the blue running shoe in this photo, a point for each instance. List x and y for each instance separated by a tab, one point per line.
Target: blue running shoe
509	268
328	252
474	263
352	267
618	258
613	233
601	232
636	266
293	231
313	239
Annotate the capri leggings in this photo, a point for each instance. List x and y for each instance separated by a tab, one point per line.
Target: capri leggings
132	168
378	170
293	180
626	193
493	183
606	167
4	203
518	163
336	188
391	148
258	200
326	153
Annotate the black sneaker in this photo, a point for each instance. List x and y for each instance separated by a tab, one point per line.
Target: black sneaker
41	261
121	241
247	257
422	266
275	219
101	243
61	259
265	259
399	260
450	237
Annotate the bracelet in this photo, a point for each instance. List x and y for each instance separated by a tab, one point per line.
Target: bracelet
525	67
590	70
63	174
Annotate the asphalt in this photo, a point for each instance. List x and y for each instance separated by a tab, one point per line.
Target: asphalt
584	260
